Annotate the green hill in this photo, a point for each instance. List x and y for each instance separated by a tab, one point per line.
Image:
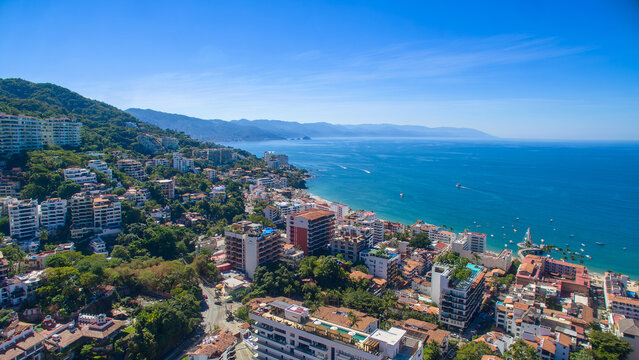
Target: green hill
104	126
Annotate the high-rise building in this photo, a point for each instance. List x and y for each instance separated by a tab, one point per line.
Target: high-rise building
220	156
132	167
81	215
381	263
476	241
458	299
275	160
61	131
350	241
23	219
181	163
107	214
367	219
18	133
288	331
53	213
249	245
311	230
168	187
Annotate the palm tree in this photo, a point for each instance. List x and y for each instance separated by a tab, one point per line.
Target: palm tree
353	318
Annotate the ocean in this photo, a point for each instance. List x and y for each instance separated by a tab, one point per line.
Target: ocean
567	193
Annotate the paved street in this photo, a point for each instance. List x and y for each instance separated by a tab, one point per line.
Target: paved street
242	352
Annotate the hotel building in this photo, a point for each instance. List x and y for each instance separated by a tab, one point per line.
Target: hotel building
181	163
249	245
566	277
311	230
101	166
288	331
458	299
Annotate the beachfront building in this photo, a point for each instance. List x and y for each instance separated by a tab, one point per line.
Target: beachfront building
435	233
311	230
167	186
340	210
619	299
249	245
19	133
286	330
476	241
491	260
102	167
132	168
382	263
80	176
23	219
458	299
53	213
566	277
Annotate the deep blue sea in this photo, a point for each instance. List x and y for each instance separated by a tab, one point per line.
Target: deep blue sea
590	190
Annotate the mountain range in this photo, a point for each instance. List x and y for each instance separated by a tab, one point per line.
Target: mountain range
254	130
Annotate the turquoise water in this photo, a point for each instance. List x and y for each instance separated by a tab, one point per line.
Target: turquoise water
589	190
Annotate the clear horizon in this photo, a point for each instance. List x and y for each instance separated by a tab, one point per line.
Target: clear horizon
516	70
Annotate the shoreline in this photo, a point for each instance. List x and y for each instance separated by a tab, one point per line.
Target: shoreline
596	277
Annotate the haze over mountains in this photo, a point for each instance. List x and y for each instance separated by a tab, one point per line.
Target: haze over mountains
255	130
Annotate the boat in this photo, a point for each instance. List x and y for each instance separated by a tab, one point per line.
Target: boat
517	219
492	235
551	220
600	243
458	185
582	244
572	235
511	241
582	250
624	249
589	257
401	195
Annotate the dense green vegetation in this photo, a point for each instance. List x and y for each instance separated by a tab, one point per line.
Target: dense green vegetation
605	346
473	350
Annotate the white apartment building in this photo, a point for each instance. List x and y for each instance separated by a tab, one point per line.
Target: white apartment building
23	219
80	176
98	246
367	219
138	196
131	167
18	133
340	210
286	331
458	299
157	162
107	214
61	131
476	241
101	166
619	299
381	263
53	213
181	163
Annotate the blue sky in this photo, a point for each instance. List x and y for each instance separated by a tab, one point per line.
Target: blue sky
518	69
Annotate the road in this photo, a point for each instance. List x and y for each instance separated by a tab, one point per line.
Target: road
242	352
212	315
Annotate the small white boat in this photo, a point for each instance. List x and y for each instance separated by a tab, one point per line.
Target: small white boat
582	244
582	250
589	257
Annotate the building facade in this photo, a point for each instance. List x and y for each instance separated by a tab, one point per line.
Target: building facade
311	230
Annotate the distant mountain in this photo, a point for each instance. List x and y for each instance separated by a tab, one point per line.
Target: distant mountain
236	130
